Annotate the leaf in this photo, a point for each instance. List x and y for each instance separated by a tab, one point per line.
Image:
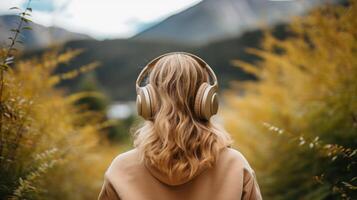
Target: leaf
302	142
9	60
316	139
350	186
353	153
247	67
14	30
26	28
26	20
4	66
15	8
7	115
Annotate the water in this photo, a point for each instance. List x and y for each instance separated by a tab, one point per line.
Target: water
121	110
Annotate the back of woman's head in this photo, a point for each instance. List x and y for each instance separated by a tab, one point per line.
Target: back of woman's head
176	141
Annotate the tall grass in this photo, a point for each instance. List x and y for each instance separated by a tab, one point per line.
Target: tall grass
49	148
297	123
48	145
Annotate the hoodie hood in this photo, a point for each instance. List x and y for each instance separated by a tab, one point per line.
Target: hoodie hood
174	181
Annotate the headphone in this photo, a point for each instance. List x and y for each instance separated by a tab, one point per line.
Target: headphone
206	100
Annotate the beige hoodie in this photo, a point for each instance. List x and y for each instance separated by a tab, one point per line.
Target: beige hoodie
231	178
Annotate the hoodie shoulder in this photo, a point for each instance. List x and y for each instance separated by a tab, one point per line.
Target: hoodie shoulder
131	155
123	162
250	187
234	157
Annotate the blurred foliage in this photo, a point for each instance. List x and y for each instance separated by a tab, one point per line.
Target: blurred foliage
94	98
298	123
120	130
48	145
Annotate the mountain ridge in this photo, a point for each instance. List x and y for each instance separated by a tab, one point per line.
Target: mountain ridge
212	20
122	60
40	36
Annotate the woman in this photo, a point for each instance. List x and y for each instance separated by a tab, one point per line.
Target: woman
179	153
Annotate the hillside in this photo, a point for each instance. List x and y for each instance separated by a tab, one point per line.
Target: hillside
40	36
212	20
122	59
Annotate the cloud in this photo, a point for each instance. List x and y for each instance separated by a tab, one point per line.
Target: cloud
104	18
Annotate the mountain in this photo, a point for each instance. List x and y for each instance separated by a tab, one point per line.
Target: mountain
212	20
215	21
122	59
40	36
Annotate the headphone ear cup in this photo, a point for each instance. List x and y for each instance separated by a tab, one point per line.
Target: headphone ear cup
143	103
139	103
198	99
209	102
206	102
153	99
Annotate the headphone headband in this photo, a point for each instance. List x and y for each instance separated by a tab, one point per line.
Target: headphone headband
153	62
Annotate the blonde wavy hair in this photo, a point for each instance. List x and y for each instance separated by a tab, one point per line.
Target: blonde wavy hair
176	142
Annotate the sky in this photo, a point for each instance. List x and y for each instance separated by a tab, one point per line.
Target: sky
101	19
